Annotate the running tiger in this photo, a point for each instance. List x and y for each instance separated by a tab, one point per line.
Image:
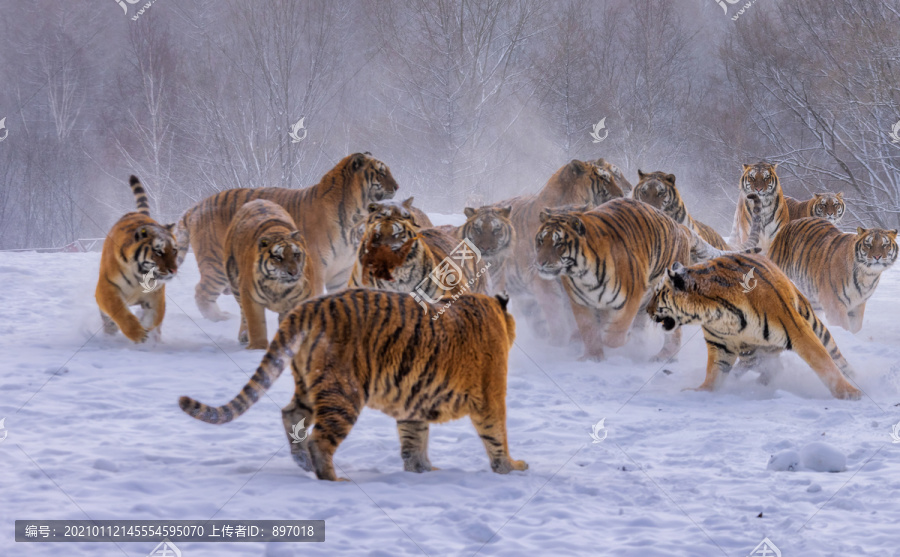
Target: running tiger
394	254
657	189
139	256
838	272
770	317
829	206
761	179
268	267
490	229
608	268
323	213
359	348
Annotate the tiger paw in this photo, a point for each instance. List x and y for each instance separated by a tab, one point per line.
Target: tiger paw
137	335
257	345
848	392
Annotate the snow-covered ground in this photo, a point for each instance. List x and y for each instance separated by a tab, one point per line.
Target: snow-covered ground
94	431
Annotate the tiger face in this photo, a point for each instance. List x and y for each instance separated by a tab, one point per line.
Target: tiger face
377	181
759	178
829	206
676	301
876	248
557	244
656	189
281	258
594	185
154	249
489	228
392	232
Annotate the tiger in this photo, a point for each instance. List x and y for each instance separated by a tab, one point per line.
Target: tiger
617	174
404	209
829	206
268	267
576	183
490	229
610	259
748	317
760	178
139	256
358	348
658	190
837	272
394	254
323	213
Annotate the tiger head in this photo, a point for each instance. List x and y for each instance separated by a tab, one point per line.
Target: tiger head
373	177
586	183
392	209
385	244
558	243
761	179
657	189
153	249
829	206
676	300
876	248
489	228
618	176
281	257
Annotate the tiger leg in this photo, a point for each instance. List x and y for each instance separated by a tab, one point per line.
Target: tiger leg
109	326
808	346
213	282
254	315
719	360
588	321
855	318
114	307
414	445
671	346
243	334
550	299
334	416
153	308
616	332
824	336
296	411
489	420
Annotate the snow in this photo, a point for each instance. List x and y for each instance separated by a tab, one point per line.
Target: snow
94	431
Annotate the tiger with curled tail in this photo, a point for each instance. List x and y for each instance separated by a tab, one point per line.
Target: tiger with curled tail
396	255
268	267
139	256
770	316
323	213
359	348
576	183
829	206
658	190
837	272
490	229
761	179
610	259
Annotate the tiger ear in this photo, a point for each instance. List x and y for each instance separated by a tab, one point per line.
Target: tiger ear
358	160
840	195
505	211
469	212
575	167
746	167
545	214
503	298
641	174
678	275
892	233
670	178
408	203
295	235
860	230
774	166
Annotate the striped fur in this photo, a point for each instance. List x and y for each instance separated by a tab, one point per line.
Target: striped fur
268	267
829	206
403	208
838	272
610	260
138	253
618	177
396	255
761	179
770	317
324	214
658	190
359	348
703	251
490	229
